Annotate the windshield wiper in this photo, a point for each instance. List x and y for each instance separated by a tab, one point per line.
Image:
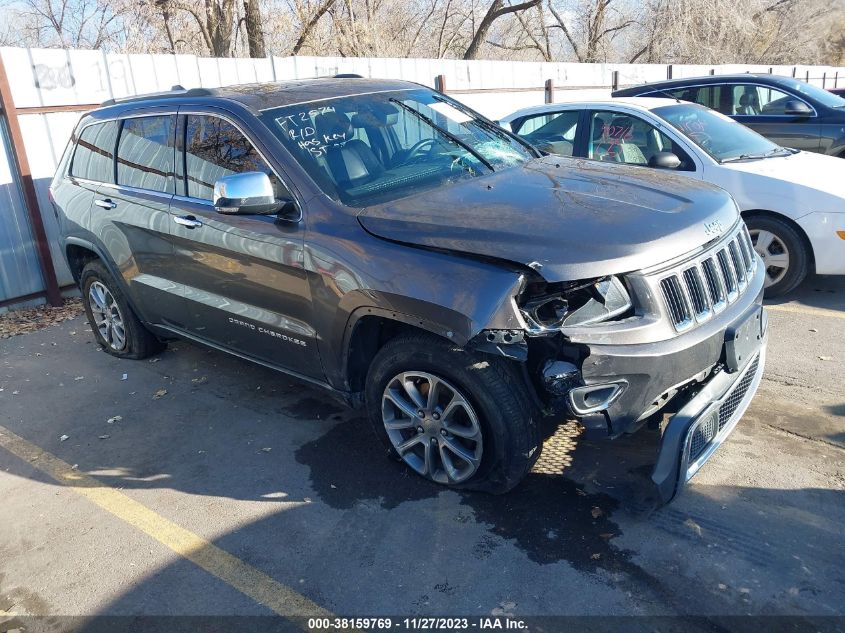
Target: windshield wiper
487	125
446	133
734	159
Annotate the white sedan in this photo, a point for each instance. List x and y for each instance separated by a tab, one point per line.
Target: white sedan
792	201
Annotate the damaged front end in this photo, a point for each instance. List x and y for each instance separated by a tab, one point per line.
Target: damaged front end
621	351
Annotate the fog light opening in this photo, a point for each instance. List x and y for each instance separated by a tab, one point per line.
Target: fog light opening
594	398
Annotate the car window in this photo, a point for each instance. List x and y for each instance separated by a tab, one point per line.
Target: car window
145	153
551	131
215	148
415	140
622	138
753	100
94	155
723	138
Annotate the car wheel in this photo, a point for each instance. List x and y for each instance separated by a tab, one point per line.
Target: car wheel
783	252
455	417
116	327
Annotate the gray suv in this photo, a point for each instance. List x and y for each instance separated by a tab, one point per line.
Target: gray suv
386	243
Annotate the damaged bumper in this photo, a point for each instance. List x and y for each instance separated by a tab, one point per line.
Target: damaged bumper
699	428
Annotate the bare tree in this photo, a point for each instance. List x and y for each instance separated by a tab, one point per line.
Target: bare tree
596	23
254	33
497	9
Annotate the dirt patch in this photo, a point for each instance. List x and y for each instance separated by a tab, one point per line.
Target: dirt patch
32	319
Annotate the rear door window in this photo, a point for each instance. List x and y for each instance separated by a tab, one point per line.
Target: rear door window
145	153
94	155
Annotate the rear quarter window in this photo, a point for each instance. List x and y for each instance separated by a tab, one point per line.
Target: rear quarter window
93	158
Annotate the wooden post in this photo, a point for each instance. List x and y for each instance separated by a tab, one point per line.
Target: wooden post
550	91
20	161
836	80
712	71
824	80
440	84
794	71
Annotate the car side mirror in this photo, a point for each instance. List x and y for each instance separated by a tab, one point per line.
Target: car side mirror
664	160
249	192
794	107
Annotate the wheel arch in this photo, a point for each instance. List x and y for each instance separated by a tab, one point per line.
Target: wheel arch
792	223
369	329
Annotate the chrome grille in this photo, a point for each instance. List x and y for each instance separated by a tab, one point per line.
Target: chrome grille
727	271
739	266
726	410
714	283
693	292
676	302
695	287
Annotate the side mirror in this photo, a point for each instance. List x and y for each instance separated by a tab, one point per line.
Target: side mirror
249	192
794	107
664	160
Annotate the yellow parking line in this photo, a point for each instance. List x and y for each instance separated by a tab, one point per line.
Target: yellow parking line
822	312
233	571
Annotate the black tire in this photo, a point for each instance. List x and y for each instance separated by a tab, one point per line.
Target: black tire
495	390
799	257
139	342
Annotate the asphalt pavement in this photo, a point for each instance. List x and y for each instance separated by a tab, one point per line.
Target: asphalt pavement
197	484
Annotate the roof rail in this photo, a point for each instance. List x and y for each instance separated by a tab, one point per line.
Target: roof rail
176	91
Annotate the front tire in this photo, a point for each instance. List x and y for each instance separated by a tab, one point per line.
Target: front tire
783	251
458	418
116	327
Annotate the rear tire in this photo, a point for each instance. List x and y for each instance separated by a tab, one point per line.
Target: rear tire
784	253
116	327
487	437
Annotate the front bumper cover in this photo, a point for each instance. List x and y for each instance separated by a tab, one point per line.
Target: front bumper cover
720	403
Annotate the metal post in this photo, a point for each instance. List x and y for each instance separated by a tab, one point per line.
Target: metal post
824	80
550	91
712	71
794	72
808	77
615	80
836	80
669	71
10	114
440	83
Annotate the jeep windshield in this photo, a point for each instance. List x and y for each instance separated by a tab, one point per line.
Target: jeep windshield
720	136
387	145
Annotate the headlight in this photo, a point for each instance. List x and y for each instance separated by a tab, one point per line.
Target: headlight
547	307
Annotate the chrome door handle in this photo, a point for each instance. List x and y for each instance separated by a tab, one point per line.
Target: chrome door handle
105	203
188	221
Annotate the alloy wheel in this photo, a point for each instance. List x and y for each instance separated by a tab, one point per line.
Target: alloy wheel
432	426
774	253
107	316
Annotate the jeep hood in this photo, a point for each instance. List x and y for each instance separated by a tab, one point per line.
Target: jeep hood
576	218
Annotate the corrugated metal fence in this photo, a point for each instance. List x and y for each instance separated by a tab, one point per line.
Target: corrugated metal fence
50	89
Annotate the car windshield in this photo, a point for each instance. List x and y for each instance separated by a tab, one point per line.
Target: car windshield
721	137
818	94
382	146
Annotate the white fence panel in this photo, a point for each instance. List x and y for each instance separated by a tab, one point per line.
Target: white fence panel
48	77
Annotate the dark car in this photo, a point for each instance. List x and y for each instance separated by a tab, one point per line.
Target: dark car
839	92
381	241
790	112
